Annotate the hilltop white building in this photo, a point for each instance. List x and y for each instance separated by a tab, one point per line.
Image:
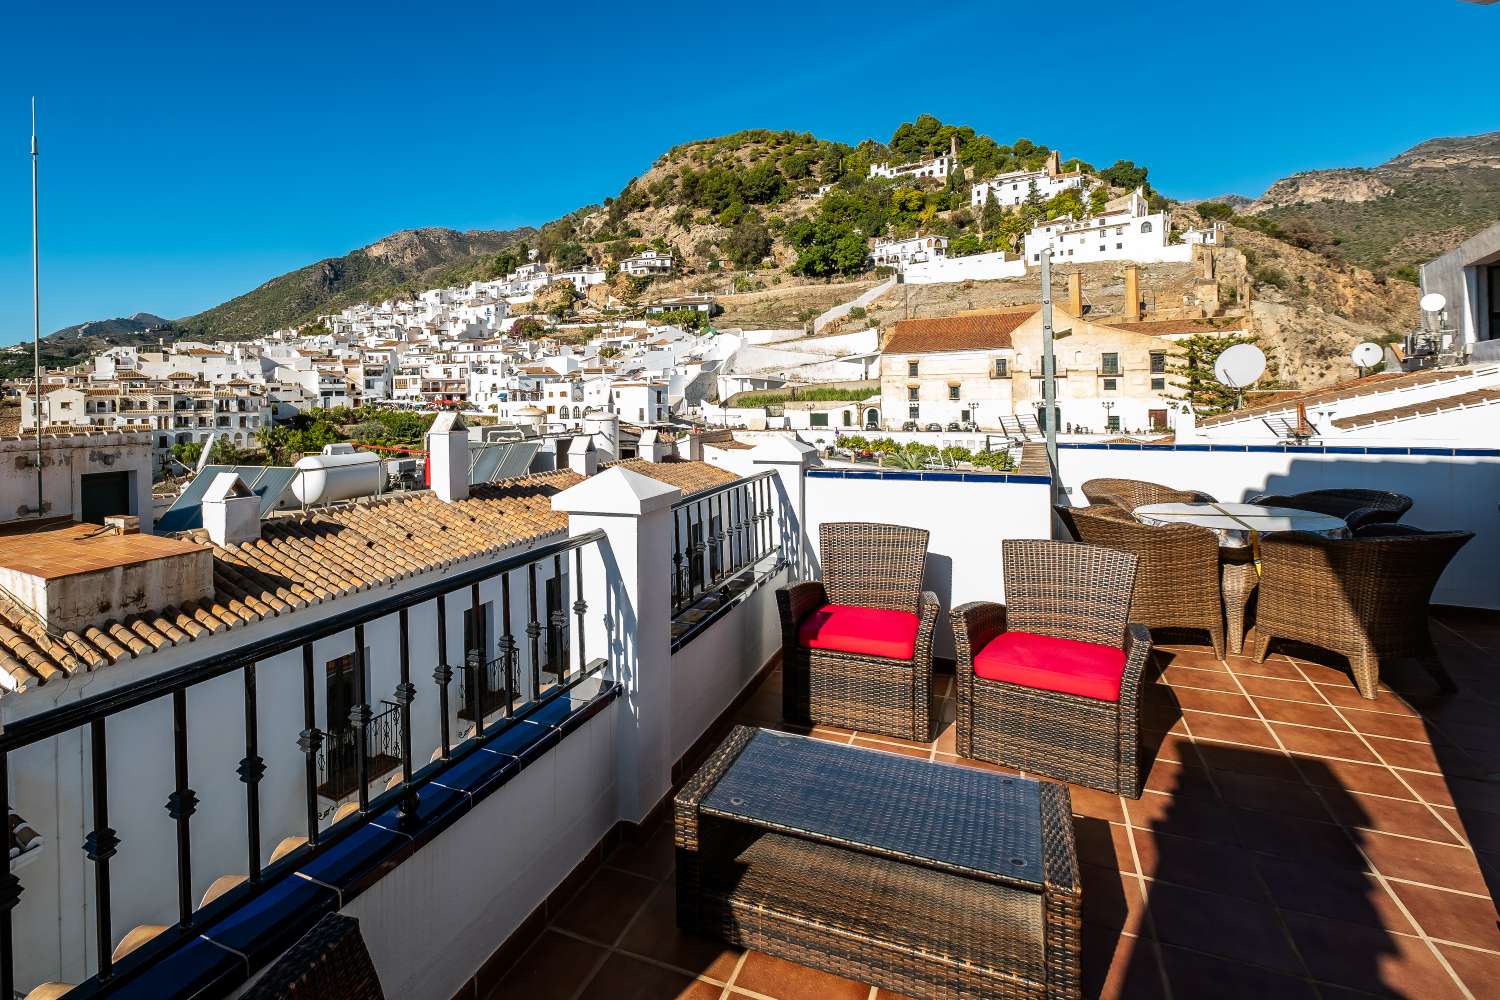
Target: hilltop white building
1126	230
1014	188
898	253
938	168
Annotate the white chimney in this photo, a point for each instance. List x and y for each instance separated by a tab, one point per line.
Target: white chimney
582	458
654	447
231	513
448	457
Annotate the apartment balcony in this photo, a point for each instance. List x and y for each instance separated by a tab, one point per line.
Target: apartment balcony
1293	838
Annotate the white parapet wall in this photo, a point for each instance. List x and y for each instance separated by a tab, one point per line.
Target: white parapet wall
1451	488
976	267
967	516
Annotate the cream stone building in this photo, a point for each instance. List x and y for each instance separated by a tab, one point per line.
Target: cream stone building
975	368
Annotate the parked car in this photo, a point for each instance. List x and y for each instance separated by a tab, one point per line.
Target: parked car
910	425
953	426
935	428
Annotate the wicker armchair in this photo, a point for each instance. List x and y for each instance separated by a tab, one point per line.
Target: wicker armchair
1070	706
1357	507
857	646
1363	597
1176	573
330	962
1132	493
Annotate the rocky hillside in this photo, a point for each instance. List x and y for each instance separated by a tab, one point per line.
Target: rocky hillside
1396	215
410	260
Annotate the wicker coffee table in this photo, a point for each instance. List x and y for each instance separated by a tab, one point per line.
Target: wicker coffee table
934	880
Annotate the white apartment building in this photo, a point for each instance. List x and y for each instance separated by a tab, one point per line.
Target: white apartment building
1214	235
639	402
646	264
1017	186
898	253
1126	230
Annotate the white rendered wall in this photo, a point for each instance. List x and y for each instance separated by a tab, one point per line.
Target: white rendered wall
976	267
966	522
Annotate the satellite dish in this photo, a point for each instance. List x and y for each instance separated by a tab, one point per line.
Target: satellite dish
1367	355
1433	302
1240	366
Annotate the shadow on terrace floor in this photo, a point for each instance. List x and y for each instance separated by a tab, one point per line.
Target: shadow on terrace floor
1294	840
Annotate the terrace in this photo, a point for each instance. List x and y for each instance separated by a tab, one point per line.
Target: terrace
1292	839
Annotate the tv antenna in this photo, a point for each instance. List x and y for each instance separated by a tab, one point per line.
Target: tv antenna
1366	355
36	320
1238	367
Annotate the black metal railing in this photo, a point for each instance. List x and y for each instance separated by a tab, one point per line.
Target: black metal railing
338	771
719	536
358	751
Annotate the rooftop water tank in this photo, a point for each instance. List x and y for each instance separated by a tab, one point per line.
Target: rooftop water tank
326	478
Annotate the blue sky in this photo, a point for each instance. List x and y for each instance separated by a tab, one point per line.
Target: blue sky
191	152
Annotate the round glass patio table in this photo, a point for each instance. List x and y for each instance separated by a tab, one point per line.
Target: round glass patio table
1239	527
1237	524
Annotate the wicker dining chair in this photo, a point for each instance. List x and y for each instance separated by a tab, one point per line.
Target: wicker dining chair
1357	507
1129	494
1049	681
857	645
329	962
1364	597
1177	581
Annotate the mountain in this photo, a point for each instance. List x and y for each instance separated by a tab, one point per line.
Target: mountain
1393	216
110	329
409	260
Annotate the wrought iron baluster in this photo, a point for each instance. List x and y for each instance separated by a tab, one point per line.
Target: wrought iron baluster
676	561
359	718
507	646
100	845
534	631
309	741
252	768
557	621
405	693
181	805
580	605
474	660
720	555
10	893
442	674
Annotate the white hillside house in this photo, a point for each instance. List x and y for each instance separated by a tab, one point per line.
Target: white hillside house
917	249
646	263
938	168
1014	188
581	278
1126	230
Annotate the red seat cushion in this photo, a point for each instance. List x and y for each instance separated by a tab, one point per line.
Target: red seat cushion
1086	669
846	628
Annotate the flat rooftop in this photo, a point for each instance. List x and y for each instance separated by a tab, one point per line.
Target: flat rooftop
83	548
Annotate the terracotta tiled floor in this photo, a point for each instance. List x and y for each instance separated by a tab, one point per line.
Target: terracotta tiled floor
1294	840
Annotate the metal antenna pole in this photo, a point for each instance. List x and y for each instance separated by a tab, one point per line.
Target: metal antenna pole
36	320
1049	372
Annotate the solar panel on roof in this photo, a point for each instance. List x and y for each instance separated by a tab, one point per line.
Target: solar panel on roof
483	461
517	460
269	482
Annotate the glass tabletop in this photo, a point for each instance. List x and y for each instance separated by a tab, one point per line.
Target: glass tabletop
1237	523
954	817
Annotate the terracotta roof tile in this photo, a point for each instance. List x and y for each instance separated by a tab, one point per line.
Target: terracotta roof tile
968	332
1460	401
306	558
1349	389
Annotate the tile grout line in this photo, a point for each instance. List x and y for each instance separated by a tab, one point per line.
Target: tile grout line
1281	925
1374	869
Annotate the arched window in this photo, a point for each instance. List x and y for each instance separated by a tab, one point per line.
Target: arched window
1145	227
